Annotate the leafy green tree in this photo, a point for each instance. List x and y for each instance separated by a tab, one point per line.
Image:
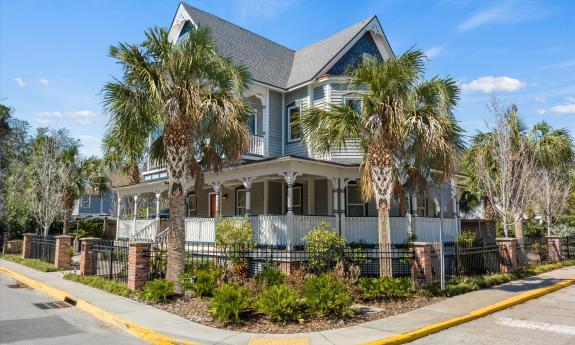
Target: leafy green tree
190	101
405	129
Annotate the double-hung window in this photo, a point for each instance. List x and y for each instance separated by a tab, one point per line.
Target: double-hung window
240	201
191	205
294	128
355	204
421	206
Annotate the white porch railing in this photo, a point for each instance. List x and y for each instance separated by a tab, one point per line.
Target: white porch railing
273	229
256	145
128	227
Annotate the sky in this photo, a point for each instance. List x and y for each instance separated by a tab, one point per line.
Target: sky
54	61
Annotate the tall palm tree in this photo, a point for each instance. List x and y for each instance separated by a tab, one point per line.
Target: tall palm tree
406	130
123	158
192	99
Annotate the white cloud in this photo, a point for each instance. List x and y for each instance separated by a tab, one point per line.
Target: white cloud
540	99
492	84
19	81
433	52
43	81
564	108
91	145
248	9
506	13
82	117
541	111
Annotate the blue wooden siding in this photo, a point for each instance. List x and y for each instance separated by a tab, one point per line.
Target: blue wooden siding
354	56
275	124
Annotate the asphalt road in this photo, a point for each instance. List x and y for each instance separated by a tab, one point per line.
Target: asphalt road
23	323
547	320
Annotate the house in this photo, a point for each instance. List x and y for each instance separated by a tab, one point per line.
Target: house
93	204
282	186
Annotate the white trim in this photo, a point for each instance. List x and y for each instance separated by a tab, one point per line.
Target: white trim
266	124
236	204
288	123
283	124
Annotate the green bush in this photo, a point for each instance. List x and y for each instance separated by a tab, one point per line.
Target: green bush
385	287
234	232
270	276
205	282
280	303
325	246
229	302
32	263
461	285
326	296
111	286
158	290
467	238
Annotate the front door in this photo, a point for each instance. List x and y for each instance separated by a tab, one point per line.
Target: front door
213	197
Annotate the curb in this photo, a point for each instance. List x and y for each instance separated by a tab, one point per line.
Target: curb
143	333
157	338
440	326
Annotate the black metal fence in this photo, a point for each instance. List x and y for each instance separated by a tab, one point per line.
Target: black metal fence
43	248
110	259
465	259
367	258
532	251
568	247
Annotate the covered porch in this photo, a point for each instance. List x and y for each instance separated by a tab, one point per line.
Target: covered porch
284	198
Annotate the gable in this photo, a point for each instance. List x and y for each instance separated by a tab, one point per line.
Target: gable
354	56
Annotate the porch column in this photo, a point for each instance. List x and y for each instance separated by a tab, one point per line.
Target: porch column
217	186
335	203
290	178
118	214
135	211
247	182
342	207
158	194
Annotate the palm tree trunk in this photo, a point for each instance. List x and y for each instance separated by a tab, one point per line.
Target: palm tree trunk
176	142
134	173
66	221
384	234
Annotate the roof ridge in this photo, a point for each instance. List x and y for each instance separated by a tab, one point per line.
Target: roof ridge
367	20
240	27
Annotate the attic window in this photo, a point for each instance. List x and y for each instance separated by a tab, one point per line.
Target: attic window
186	28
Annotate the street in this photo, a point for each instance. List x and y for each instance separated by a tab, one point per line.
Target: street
548	320
23	322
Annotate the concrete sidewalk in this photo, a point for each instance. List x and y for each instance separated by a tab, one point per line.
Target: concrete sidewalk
176	327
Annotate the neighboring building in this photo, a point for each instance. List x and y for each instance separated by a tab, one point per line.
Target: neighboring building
92	204
284	187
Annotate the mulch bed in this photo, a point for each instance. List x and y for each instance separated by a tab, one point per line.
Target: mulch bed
196	309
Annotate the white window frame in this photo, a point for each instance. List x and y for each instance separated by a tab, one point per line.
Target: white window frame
289	123
347	203
194	195
238	206
85	197
353	97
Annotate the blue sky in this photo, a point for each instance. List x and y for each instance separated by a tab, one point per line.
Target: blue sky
53	54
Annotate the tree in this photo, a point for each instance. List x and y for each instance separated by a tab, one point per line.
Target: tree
405	128
46	179
190	100
555	187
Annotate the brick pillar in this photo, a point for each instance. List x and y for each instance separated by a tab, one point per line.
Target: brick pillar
27	245
507	254
138	264
62	255
86	267
421	264
554	248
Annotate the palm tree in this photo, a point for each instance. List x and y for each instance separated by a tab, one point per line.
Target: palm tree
122	158
191	98
406	130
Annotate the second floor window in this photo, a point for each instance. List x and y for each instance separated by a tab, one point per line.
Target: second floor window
354	103
294	129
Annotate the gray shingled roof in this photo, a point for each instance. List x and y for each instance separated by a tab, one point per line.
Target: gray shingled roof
270	62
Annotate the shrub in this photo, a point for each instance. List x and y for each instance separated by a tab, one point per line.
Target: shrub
270	276
324	246
229	301
32	263
234	233
326	296
158	290
280	303
461	285
467	238
111	286
385	287
205	282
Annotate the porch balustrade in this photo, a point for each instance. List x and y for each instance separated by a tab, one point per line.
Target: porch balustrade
256	145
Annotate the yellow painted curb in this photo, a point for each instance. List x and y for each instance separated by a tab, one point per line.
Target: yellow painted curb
437	327
135	329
